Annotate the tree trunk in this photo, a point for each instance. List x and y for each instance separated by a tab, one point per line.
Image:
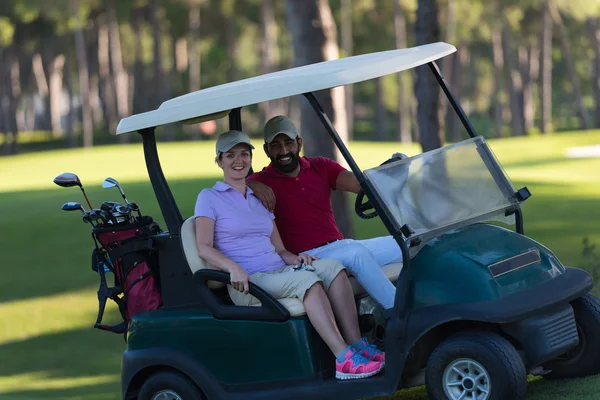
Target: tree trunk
404	98
230	39
515	84
121	78
498	57
531	71
69	120
140	91
348	48
105	82
43	91
56	81
84	89
194	58
381	133
448	65
4	126
314	40
15	98
592	24
270	59
546	70
159	75
430	110
564	41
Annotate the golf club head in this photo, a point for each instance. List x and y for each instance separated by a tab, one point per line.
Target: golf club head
72	206
109	205
67	179
111	182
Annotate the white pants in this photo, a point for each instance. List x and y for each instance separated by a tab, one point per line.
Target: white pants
364	259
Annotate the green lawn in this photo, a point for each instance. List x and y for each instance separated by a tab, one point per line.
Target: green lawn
48	347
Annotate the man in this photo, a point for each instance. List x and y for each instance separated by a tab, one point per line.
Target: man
304	217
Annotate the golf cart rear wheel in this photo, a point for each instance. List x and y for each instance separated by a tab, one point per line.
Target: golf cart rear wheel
169	385
475	365
584	359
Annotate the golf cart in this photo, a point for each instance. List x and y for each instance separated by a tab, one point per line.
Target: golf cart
478	306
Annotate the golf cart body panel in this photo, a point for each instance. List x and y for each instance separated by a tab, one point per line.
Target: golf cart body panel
458	267
459	270
286	83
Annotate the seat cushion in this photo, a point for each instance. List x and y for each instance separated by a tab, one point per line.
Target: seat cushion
190	249
293	305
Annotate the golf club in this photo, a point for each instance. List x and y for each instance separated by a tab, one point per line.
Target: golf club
69	179
111	182
74	206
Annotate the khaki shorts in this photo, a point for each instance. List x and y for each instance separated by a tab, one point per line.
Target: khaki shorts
285	282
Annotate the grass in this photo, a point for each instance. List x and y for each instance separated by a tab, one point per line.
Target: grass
48	347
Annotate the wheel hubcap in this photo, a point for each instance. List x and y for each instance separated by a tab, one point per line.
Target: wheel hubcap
167	395
466	379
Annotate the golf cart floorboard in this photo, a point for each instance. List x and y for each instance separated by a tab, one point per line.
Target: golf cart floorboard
326	388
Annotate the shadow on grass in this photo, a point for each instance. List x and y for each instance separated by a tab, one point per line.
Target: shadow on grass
75	354
102	391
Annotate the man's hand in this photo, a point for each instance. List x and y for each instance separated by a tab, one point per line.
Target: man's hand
264	193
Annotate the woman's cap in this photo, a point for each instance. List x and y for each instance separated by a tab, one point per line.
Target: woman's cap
229	139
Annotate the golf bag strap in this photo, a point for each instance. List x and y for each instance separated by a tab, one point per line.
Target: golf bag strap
131	247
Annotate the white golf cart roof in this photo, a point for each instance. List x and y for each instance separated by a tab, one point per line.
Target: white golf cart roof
217	101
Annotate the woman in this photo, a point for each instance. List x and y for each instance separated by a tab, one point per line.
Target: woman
236	233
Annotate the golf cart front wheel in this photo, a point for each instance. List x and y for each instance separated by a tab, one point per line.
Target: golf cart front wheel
169	386
584	359
475	365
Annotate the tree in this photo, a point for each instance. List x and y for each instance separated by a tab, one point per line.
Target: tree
430	110
314	40
546	69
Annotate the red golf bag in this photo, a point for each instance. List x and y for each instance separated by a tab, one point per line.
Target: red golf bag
129	254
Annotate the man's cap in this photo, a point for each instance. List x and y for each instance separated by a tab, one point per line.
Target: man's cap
277	125
229	139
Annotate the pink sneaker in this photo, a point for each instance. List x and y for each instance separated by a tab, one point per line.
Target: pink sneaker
356	366
371	352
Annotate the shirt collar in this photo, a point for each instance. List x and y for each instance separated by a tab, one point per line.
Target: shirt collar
223	187
274	172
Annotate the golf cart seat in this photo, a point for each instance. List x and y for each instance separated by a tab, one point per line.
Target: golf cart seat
293	305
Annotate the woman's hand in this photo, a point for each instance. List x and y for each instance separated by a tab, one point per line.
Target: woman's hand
304	258
239	280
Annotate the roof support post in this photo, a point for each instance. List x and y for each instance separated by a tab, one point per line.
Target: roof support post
165	198
461	113
235	119
401	300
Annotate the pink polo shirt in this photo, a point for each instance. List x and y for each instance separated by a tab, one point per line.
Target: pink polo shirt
303	204
243	227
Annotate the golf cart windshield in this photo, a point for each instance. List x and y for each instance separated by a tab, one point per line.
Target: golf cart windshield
445	189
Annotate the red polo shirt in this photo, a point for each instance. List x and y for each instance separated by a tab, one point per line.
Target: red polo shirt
303	212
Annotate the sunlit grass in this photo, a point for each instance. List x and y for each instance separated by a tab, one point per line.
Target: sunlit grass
48	305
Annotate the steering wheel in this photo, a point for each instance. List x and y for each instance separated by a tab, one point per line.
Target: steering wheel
361	208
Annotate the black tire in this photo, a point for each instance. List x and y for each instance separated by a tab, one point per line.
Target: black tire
584	359
482	352
171	384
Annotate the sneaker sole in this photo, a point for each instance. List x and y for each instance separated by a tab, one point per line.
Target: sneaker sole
344	376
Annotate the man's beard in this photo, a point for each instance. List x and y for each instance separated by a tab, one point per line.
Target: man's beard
286	168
